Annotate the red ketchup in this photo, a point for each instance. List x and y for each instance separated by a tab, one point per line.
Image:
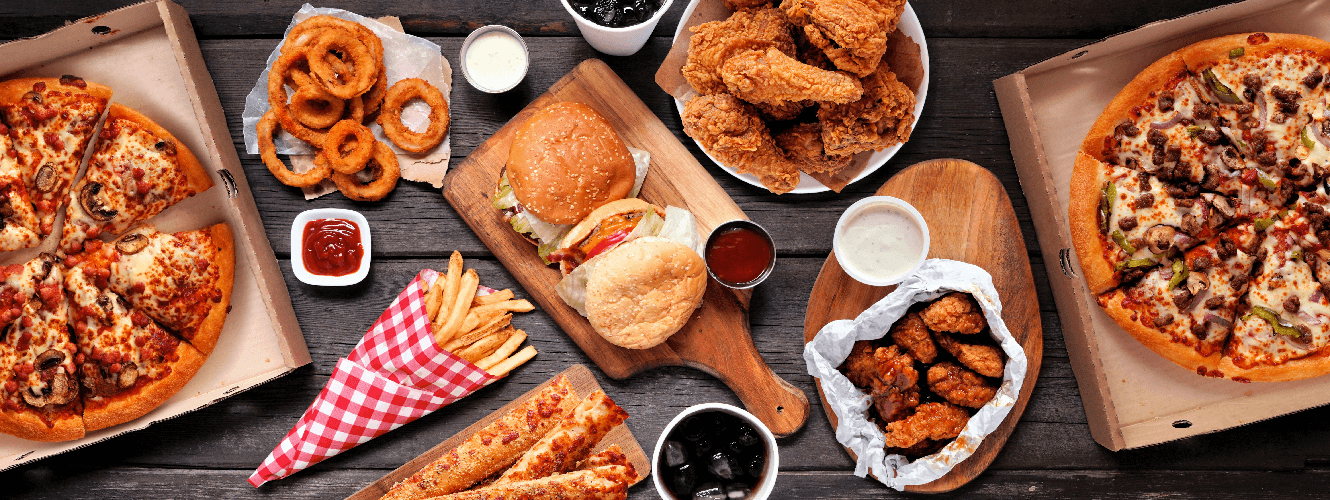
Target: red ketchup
738	255
332	247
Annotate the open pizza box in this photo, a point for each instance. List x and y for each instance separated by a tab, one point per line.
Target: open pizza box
148	55
1133	397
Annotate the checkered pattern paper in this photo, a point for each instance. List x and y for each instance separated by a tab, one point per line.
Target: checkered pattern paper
396	374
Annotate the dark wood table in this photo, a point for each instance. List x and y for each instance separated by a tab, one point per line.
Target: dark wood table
211	452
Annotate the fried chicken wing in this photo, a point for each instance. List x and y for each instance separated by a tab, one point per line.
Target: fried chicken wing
715	42
860	367
987	360
884	116
781	111
930	421
896	390
803	145
959	385
955	312
890	10
909	332
771	76
747	4
848	32
732	131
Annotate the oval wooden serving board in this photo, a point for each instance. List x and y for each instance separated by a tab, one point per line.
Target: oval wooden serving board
970	219
717	339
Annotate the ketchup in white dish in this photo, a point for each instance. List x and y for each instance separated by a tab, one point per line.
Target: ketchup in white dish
881	241
495	60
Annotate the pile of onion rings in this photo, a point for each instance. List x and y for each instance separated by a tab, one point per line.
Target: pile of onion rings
336	69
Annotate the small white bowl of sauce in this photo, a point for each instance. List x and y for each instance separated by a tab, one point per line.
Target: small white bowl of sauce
494	59
880	240
330	247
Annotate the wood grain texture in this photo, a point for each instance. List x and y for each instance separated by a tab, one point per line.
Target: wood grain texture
970	220
717	338
584	383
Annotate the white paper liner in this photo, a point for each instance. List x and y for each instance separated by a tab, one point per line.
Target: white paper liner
404	56
833	343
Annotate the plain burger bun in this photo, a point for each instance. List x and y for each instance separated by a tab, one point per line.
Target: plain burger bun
566	160
644	291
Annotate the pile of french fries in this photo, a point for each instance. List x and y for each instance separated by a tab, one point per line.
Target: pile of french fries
476	327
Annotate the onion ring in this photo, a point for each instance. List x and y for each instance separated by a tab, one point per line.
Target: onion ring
315	108
304	33
277	100
364	69
355	159
390	117
268	151
386	162
374	98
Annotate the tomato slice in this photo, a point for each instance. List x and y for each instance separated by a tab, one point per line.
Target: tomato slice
608	242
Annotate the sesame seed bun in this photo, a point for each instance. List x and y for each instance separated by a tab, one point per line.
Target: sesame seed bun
643	291
566	160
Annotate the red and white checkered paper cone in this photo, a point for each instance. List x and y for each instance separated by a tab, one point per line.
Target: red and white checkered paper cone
396	374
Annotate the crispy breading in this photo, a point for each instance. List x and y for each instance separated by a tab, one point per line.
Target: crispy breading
959	385
883	117
909	332
860	367
746	4
930	421
896	389
734	134
781	111
715	42
890	10
771	76
986	360
562	448
955	312
848	32
803	145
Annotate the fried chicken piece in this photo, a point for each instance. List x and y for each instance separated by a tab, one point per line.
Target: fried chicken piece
909	332
748	4
930	421
732	131
987	360
955	312
715	42
771	76
884	116
803	146
848	32
781	111
890	10
959	385
896	390
859	366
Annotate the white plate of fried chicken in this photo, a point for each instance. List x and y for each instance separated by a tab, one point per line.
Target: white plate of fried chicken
796	89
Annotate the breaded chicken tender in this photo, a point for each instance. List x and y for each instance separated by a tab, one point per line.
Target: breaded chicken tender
734	134
959	385
909	332
848	32
955	312
771	76
987	360
930	421
860	367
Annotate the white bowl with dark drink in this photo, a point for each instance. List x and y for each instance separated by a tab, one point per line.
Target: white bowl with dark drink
617	27
715	451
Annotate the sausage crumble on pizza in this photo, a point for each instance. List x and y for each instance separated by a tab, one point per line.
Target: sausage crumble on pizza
1199	207
104	331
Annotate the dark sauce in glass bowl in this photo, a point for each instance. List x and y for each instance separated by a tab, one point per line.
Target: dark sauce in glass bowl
713	455
616	13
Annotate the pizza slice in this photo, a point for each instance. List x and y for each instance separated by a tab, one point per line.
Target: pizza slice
128	365
41	388
181	280
51	121
136	171
18	222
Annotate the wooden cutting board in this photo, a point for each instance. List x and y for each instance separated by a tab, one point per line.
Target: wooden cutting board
970	219
717	339
584	383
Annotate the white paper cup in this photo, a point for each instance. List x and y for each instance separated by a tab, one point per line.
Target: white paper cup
617	41
861	275
762	490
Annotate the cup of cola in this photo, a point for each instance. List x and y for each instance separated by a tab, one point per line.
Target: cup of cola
617	27
715	451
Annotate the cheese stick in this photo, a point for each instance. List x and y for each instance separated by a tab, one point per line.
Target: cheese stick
565	446
605	482
493	448
611	455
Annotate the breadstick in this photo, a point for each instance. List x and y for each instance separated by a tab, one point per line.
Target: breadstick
565	446
599	483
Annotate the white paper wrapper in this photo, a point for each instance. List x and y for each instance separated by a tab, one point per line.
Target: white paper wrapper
833	343
404	56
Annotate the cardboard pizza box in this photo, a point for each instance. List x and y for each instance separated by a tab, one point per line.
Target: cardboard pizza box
1132	396
148	55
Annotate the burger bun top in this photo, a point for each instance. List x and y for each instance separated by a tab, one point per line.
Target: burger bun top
565	161
644	290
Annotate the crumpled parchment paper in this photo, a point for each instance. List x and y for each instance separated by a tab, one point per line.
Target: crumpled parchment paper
833	343
404	56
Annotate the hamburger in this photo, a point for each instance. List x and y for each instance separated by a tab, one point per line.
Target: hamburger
633	270
565	161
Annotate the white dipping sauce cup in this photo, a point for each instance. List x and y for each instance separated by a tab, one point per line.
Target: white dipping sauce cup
762	490
624	41
477	82
840	251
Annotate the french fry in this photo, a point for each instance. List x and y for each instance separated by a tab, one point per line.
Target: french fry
478	333
519	305
483	347
507	365
498	296
434	298
466	290
451	281
503	351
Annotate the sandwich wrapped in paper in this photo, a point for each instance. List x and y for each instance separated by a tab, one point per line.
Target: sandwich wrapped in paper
833	344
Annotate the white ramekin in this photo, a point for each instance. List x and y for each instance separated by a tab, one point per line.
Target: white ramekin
298	246
854	210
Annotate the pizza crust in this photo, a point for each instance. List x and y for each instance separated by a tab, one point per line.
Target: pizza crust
28	425
205	338
1314	365
196	176
1152	78
1083	216
1201	55
1158	341
132	404
11	91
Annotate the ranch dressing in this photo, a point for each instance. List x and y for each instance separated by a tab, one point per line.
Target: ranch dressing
495	60
882	241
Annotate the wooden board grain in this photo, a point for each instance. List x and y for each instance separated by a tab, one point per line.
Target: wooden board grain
717	339
584	383
970	219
